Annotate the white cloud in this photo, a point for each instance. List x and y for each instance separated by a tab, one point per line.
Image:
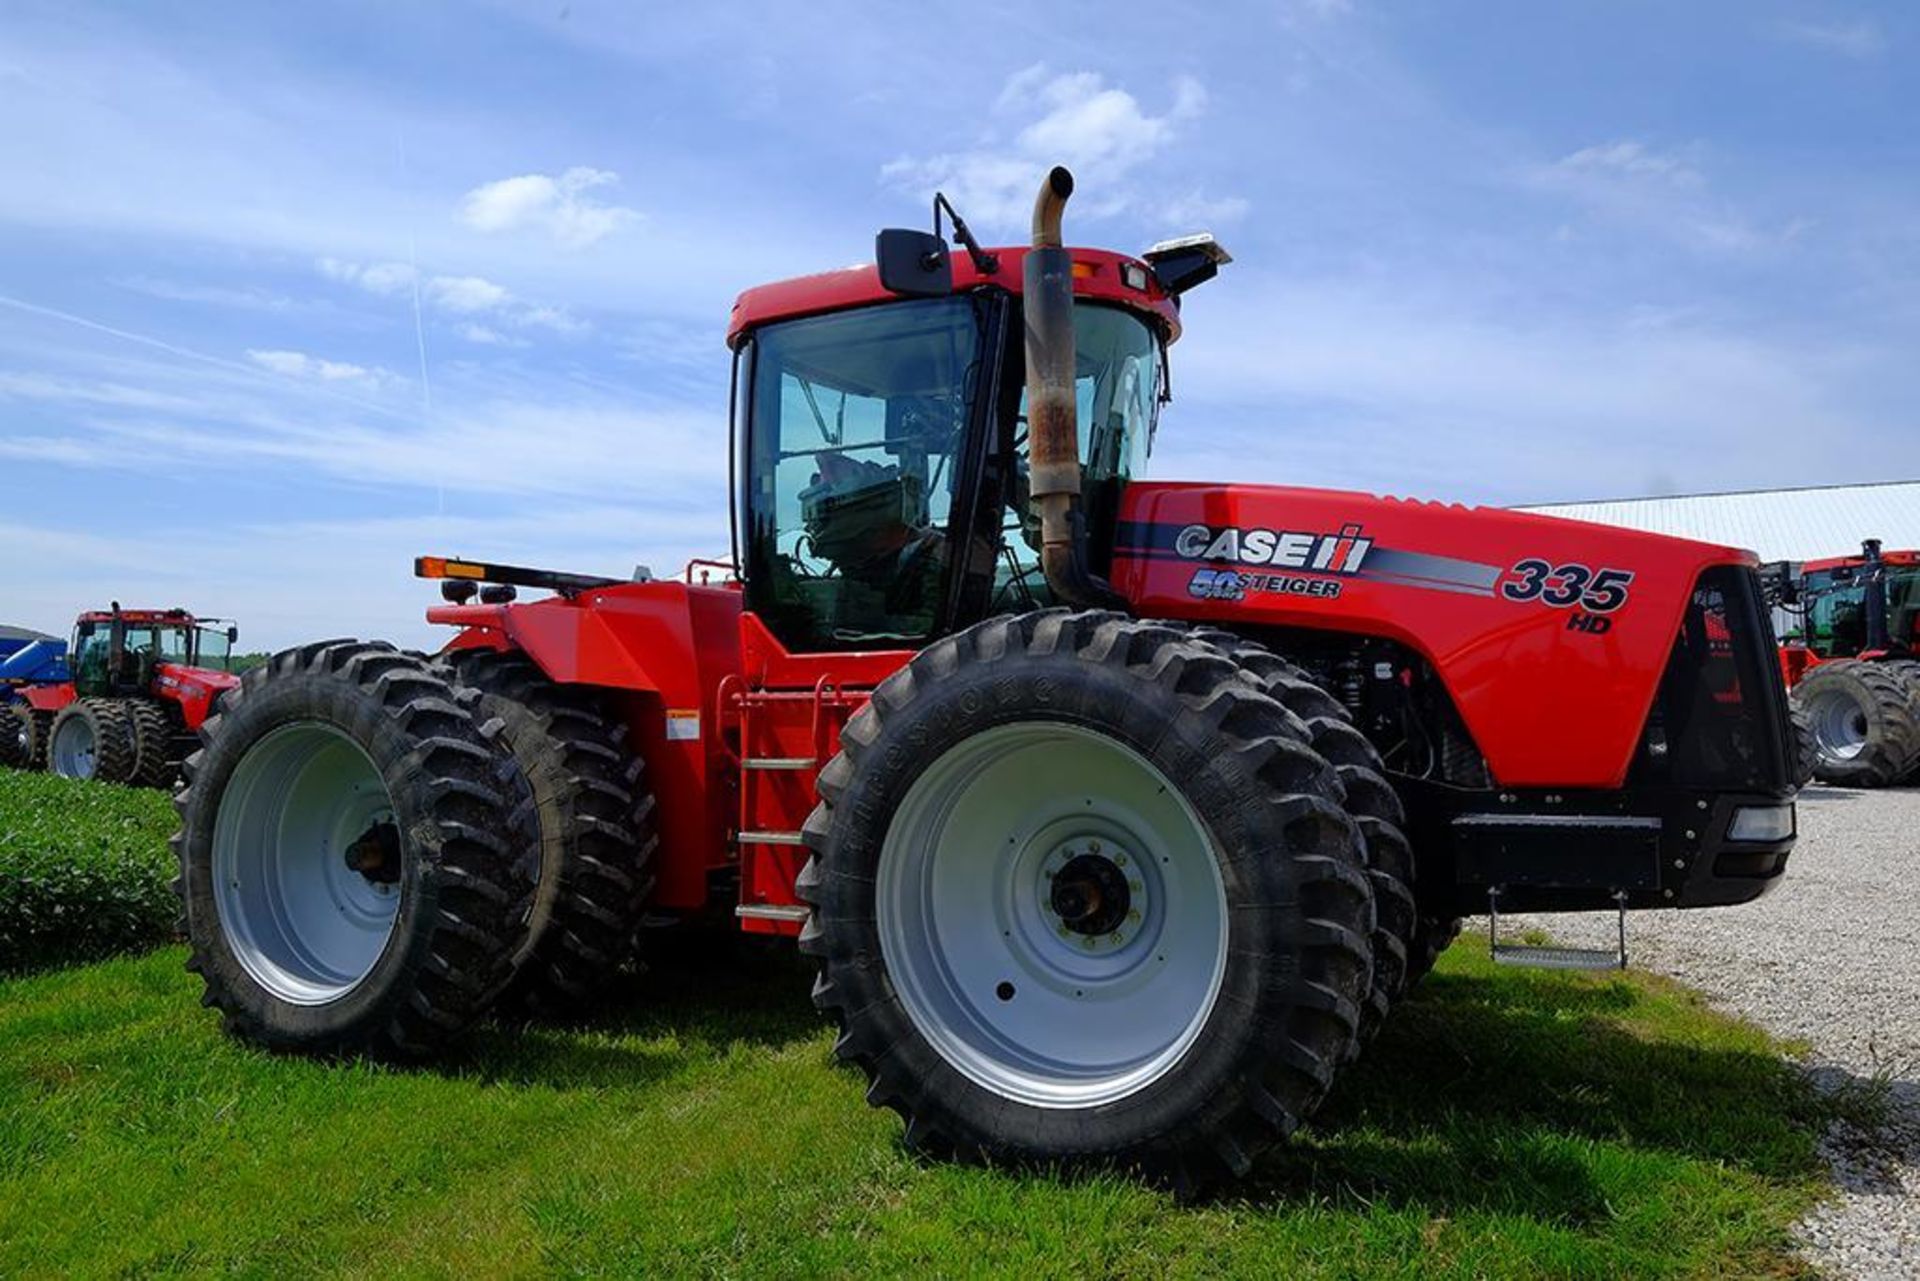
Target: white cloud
1633	159
1861	40
1203	211
559	205
251	298
488	336
1663	193
558	319
298	364
1099	131
491	432
466	294
382	278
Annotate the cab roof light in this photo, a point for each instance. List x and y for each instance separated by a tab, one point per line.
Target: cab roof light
1186	261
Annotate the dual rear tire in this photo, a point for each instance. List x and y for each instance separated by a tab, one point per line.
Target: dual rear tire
377	850
93	739
22	738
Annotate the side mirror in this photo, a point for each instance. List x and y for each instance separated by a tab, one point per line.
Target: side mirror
233	634
914	264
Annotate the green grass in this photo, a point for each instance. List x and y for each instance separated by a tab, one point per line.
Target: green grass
84	870
1507	1124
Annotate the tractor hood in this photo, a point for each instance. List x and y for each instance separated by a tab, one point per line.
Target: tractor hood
1551	635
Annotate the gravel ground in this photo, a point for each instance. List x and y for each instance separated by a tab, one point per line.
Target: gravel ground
1830	958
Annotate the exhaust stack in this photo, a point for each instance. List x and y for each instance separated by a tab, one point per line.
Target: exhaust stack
1053	434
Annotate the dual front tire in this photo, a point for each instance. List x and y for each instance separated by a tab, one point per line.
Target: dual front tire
1857	722
1085	893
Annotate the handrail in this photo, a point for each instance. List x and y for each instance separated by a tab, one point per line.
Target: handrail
721	693
727	567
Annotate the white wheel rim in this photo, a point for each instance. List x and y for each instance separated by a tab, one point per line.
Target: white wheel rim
302	922
73	748
1027	1003
1839	724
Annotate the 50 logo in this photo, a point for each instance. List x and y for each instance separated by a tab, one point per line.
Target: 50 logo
1599	591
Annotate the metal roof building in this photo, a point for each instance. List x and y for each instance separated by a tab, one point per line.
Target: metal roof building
1779	524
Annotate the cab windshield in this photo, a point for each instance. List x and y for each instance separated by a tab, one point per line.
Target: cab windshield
212	648
1119	385
861	428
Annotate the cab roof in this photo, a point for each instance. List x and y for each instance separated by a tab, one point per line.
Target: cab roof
1098	274
144	617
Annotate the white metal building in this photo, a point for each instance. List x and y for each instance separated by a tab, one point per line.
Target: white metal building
1779	524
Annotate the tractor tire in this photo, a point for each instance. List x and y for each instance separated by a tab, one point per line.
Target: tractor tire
1083	895
357	855
39	731
1865	721
16	736
153	761
1806	751
596	820
1908	670
1370	799
92	738
1432	935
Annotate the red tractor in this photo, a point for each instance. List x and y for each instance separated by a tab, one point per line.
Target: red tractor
1115	814
139	684
1854	663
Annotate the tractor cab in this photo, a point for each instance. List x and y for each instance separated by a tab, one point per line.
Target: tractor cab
118	653
1862	604
884	466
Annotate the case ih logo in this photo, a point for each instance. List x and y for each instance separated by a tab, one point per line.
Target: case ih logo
1339	553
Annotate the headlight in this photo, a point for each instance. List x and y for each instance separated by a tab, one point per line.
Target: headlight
1761	823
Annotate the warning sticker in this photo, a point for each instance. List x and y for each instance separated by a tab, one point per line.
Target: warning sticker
683	724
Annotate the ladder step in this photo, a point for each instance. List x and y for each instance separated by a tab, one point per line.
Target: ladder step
770	838
1559	958
780	762
772	911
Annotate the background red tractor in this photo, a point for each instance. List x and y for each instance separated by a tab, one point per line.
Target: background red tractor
137	684
1115	814
1853	663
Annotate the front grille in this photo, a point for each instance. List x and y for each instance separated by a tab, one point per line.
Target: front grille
1720	721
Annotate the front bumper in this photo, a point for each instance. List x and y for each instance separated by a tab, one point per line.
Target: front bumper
1570	851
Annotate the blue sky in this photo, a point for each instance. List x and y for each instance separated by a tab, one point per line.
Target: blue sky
289	294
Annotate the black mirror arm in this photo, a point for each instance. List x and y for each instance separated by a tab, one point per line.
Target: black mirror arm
983	262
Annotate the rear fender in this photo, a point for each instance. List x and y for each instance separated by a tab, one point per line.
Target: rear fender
658	651
1550	635
48	698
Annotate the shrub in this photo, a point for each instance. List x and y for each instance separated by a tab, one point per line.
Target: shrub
84	870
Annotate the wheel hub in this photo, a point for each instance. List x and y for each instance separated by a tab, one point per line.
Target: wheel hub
1091	895
376	854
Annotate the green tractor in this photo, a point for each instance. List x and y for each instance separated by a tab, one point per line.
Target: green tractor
1853	664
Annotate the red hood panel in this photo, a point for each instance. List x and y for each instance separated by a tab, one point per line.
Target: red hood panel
1551	635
